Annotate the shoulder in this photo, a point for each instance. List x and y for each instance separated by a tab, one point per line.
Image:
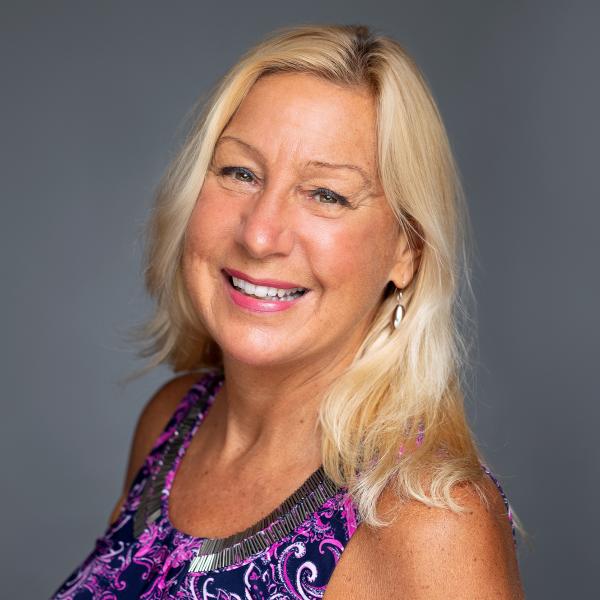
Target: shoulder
160	408
150	424
155	415
434	553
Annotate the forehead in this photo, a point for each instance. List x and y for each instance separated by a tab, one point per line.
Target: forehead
299	116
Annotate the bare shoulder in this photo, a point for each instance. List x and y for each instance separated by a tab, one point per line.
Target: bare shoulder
150	424
433	553
157	412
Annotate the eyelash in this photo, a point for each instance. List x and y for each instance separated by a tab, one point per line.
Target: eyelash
339	199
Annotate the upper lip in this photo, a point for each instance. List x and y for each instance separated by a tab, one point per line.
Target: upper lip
276	283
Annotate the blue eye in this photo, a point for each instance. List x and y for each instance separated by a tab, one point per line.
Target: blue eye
329	197
238	173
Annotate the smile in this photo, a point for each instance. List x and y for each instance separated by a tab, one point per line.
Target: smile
262	298
264	292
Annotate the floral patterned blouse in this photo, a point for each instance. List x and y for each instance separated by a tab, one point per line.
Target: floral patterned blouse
290	554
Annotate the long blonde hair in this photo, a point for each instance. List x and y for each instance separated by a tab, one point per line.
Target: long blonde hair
397	413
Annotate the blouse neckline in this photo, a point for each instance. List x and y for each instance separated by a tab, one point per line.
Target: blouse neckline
222	552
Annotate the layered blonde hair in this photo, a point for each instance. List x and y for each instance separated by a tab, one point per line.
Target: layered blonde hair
397	413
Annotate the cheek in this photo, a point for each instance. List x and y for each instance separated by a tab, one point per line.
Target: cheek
209	223
354	260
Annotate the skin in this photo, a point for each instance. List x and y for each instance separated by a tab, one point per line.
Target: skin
270	224
259	440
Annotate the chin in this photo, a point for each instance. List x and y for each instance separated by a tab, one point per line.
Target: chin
256	350
256	358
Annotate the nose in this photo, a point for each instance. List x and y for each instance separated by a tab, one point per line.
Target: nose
266	225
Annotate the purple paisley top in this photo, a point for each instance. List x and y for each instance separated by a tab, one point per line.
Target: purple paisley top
290	554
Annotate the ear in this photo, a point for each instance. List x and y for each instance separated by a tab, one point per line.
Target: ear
406	260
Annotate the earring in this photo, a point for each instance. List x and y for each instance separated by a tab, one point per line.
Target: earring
399	312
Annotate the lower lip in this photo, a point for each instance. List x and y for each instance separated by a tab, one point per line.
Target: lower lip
257	305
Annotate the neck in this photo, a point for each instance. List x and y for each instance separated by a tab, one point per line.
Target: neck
271	411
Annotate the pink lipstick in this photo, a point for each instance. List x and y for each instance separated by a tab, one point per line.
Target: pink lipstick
276	283
261	295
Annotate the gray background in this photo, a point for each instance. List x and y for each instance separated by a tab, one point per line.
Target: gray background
94	97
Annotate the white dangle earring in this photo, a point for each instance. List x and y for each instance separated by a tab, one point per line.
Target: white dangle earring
399	312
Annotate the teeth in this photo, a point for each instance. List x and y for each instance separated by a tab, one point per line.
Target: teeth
262	291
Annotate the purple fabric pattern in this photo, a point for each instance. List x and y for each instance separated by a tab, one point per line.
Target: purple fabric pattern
155	564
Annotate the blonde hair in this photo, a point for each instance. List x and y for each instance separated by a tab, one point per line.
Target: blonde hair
397	413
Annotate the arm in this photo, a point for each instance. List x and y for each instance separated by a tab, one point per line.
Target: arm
433	554
151	422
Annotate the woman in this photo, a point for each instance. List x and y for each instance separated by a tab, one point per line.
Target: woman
306	253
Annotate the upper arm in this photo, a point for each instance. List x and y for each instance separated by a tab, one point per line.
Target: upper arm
150	424
433	553
440	554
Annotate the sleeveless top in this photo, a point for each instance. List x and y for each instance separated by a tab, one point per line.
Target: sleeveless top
289	554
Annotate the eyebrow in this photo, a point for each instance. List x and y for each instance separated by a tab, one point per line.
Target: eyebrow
311	163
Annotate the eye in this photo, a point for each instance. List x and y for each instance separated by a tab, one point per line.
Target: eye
238	173
329	197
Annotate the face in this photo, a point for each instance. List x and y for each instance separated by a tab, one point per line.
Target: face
291	242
